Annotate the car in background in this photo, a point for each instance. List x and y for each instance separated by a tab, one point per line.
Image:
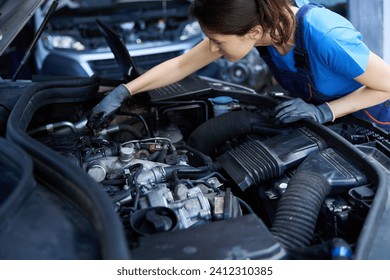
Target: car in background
153	31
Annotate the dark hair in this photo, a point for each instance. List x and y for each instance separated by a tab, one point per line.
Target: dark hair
237	17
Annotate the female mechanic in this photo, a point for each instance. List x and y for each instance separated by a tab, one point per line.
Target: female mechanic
314	53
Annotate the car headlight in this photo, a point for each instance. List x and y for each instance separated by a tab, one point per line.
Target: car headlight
62	42
190	30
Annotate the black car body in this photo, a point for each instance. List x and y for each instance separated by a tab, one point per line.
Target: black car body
175	180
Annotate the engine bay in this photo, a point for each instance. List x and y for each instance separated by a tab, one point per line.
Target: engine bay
182	179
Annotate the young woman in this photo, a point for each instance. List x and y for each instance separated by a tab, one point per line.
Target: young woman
314	53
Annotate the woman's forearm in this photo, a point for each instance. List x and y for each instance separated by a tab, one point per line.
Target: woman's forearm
174	69
360	99
376	89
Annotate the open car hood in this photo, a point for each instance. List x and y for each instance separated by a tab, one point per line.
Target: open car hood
14	14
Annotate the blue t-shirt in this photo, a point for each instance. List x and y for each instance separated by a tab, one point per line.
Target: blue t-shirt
336	52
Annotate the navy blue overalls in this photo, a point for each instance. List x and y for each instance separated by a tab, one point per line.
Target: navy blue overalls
301	83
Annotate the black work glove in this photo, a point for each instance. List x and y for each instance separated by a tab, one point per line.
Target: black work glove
104	111
297	109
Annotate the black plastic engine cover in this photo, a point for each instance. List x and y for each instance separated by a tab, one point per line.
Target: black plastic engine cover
257	161
245	237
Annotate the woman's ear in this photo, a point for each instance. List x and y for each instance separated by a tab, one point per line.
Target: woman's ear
256	32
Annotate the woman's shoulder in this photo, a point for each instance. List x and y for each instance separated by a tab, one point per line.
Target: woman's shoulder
324	28
323	20
333	41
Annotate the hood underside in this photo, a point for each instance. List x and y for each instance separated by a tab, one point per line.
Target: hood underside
14	14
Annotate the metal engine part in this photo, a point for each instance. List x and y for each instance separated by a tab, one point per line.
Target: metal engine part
190	205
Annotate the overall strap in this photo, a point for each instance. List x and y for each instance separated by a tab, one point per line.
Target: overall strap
299	83
301	56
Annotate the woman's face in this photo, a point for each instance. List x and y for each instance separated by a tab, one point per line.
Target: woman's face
234	47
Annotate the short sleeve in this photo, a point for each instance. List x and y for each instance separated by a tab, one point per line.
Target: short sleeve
346	53
339	45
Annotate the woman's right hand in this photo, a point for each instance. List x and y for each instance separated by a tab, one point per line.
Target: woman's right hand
104	111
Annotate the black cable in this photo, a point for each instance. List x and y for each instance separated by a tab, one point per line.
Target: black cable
141	118
139	168
246	205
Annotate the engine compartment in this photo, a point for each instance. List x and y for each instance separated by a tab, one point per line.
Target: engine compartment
181	179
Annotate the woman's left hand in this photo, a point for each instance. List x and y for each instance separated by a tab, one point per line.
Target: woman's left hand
297	109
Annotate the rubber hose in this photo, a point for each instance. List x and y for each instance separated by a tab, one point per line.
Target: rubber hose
298	209
218	130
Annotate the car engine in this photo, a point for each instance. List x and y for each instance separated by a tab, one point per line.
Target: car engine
181	178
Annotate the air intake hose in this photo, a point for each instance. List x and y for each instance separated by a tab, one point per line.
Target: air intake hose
322	173
218	130
298	209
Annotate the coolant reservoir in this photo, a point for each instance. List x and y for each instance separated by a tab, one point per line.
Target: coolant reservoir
223	104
